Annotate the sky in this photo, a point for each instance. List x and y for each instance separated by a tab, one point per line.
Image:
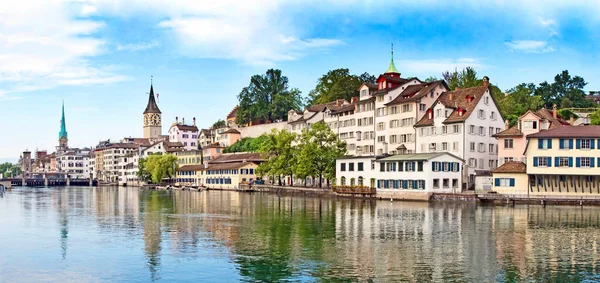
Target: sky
98	55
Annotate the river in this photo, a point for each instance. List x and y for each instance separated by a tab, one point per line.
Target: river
106	234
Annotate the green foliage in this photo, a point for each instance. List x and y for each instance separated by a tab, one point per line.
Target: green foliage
318	149
337	84
219	124
520	99
279	154
267	97
143	173
595	118
565	91
7	169
566	114
431	79
161	166
246	145
464	79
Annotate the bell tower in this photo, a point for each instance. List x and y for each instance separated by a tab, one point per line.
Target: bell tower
152	118
63	139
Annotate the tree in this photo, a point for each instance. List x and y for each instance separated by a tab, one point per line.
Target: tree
468	78
267	98
318	149
431	79
143	173
219	124
279	154
161	166
595	118
565	91
338	84
520	99
246	145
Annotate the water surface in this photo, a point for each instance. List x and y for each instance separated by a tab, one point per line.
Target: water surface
81	234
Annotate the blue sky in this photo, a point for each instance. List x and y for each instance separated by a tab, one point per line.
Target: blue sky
98	55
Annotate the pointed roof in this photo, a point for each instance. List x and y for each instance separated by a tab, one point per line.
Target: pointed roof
392	67
152	107
63	127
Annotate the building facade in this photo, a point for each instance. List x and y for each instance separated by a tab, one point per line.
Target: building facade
184	134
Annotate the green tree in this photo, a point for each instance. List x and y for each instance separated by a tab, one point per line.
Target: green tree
143	173
337	84
565	91
318	149
161	166
431	79
267	98
595	118
520	99
246	145
468	78
219	124
279	154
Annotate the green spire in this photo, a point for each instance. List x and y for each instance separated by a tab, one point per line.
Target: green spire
392	68
63	127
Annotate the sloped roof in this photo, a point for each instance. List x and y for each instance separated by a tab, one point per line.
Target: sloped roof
220	166
231	131
510	132
414	92
569	132
344	108
323	106
549	115
417	156
456	99
152	107
236	157
182	127
233	112
511	167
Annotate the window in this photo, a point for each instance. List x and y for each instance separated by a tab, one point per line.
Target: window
432	147
381	138
444	129
542	162
563	161
360	166
491	131
472	146
585	161
544	143
455	129
493	116
393	139
492	163
438	112
410	166
481	114
422	107
529	125
446	167
491	148
446	183
508	143
444	146
342	166
380	126
472	162
455	183
480	163
486	100
406	108
504	182
481	131
481	147
363	92
351	166
394	110
455	146
586	144
471	129
436	183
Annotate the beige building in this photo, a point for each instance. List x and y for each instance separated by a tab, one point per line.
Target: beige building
227	171
189	157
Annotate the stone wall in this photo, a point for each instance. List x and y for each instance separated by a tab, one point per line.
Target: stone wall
255	131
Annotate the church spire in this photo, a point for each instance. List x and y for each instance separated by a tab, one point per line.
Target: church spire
392	68
63	127
151	107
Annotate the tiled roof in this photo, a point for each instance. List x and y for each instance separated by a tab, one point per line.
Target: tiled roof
206	132
569	132
344	108
416	156
414	92
511	132
172	146
456	99
322	107
186	127
512	167
220	166
231	131
548	115
233	112
235	157
370	99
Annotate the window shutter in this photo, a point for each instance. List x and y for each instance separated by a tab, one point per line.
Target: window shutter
592	142
549	143
591	162
556	161
451	166
540	143
433	166
578	162
404	184
570	143
535	162
512	182
561	144
549	161
578	144
497	182
571	161
414	184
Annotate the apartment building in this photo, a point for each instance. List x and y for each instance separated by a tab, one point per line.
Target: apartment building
224	172
184	134
463	122
512	140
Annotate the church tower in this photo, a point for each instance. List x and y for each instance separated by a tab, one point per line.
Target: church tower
63	139
152	123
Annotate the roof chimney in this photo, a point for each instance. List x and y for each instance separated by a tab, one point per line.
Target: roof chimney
572	121
183	121
194	119
506	125
456	88
554	110
486	81
176	120
451	96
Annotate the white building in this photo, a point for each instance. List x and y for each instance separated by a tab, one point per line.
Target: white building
75	162
184	134
424	172
162	147
463	123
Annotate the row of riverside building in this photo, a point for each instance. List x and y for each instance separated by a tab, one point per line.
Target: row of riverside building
402	135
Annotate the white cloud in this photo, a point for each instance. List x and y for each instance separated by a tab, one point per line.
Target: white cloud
530	46
42	41
437	66
137	46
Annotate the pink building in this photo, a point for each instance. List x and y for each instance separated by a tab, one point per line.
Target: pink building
229	137
185	134
513	140
212	151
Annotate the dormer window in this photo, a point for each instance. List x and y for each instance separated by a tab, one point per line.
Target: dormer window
469	98
461	112
429	114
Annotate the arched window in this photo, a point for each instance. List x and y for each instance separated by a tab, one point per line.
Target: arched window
360	181
343	181
352	182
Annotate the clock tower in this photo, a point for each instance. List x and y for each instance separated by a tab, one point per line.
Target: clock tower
152	123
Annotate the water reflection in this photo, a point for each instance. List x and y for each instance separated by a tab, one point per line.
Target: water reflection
117	234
